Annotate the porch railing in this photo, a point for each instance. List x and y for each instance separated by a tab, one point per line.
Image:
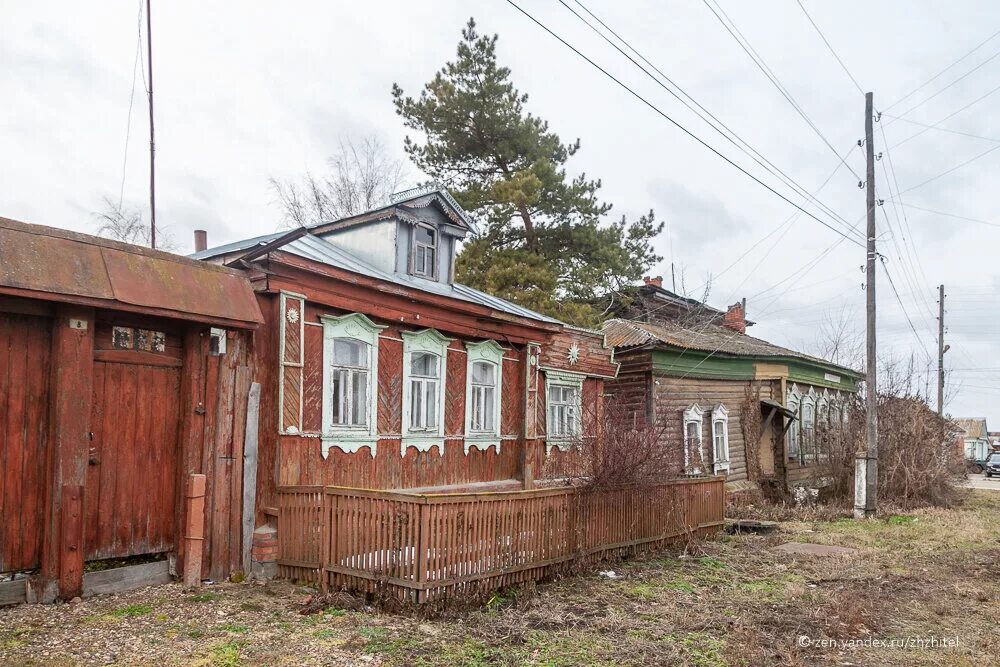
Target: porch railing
424	546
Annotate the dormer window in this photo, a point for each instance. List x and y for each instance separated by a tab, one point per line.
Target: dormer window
425	242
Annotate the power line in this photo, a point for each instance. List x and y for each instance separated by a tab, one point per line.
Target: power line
672	121
942	129
936	76
131	100
945	173
905	313
825	41
951	115
951	215
928	99
756	156
755	57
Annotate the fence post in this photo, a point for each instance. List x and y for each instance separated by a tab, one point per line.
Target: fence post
328	500
194	535
423	536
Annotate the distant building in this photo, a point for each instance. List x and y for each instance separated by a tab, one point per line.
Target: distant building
977	437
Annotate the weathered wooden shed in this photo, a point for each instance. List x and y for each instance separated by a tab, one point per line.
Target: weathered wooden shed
122	371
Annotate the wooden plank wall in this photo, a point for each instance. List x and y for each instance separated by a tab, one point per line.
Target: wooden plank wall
672	396
25	344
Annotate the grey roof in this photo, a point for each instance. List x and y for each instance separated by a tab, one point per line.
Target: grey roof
712	338
974	427
320	250
236	246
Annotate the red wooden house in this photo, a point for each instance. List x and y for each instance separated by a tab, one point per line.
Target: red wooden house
379	371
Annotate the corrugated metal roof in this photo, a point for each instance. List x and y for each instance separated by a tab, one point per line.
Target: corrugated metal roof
235	246
59	265
974	427
705	338
320	250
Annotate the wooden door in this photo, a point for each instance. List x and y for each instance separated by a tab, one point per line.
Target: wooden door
25	344
129	501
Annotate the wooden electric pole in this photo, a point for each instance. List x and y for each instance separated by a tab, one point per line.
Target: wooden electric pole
866	466
152	145
942	348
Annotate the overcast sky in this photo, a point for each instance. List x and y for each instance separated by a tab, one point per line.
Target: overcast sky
253	90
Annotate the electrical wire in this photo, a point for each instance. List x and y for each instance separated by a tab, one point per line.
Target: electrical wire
131	100
935	125
945	173
663	114
755	57
701	111
825	41
928	99
951	215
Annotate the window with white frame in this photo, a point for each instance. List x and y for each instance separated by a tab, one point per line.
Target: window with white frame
720	438
563	396
350	366
484	374
694	453
808	448
792	437
424	366
425	242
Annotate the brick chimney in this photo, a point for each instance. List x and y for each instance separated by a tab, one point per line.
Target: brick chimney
200	240
655	282
736	317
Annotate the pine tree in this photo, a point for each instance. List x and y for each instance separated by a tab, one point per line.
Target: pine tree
546	243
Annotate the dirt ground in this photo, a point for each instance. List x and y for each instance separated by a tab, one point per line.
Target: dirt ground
921	589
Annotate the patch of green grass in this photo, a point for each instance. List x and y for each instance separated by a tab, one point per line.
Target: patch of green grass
204	597
642	591
678	585
325	615
896	520
378	641
131	611
712	563
234	628
704	650
14	638
226	654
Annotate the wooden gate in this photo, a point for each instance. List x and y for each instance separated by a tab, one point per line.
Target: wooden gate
130	493
25	344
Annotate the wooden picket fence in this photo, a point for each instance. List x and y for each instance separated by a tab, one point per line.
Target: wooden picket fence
421	547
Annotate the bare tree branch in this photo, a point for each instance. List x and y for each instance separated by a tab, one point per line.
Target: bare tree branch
362	176
126	224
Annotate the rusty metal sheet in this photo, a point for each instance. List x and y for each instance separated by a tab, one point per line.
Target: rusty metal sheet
52	264
69	265
156	282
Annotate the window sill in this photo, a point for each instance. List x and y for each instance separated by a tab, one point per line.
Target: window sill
562	444
350	443
722	466
422	443
482	442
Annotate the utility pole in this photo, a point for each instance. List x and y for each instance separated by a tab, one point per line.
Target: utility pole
866	464
942	348
152	145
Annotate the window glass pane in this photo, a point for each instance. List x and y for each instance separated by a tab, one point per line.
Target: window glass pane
424	364
418	261
350	352
337	385
489	408
359	398
431	402
424	235
429	262
416	402
483	373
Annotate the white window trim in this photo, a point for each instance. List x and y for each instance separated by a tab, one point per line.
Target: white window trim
720	414
808	399
491	352
564	379
413	257
350	439
694	415
792	402
427	340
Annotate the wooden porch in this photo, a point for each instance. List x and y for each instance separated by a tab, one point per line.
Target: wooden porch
421	547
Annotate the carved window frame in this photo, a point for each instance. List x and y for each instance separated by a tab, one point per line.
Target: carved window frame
566	380
720	461
433	342
354	326
488	351
694	415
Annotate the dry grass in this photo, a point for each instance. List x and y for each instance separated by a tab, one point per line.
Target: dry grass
732	601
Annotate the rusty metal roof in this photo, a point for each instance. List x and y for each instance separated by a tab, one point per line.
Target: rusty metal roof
702	337
57	265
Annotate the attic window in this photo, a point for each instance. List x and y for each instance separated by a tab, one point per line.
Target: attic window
424	251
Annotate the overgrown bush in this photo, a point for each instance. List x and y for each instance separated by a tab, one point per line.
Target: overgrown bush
918	463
